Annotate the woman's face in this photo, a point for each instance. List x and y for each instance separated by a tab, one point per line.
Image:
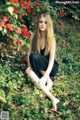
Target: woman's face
42	24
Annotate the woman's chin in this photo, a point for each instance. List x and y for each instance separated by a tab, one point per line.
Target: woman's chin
42	30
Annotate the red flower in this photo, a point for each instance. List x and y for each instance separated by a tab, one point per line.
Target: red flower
26	34
22	3
61	13
15	10
32	11
14	1
18	42
22	14
24	31
26	5
21	19
24	28
5	19
61	25
38	5
28	0
28	10
2	23
9	27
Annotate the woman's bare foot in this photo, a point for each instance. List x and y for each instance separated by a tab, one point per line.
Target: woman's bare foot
54	104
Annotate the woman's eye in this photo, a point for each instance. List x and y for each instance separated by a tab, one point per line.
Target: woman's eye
45	22
42	22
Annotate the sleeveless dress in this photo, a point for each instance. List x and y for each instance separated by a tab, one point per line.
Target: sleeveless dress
40	62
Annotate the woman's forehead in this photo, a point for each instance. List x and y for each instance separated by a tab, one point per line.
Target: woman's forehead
43	18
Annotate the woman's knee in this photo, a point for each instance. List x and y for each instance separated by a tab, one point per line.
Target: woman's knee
28	70
34	56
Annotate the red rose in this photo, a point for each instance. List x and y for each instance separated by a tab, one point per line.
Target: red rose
22	14
5	19
9	27
28	0
15	10
22	3
26	34
24	31
14	1
21	19
26	5
2	23
24	28
28	10
38	5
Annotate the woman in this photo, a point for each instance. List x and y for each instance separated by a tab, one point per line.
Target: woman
41	57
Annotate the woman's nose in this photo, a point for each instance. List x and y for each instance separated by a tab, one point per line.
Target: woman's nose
43	23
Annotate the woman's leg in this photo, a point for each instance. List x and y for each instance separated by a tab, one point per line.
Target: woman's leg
33	76
49	81
44	88
39	64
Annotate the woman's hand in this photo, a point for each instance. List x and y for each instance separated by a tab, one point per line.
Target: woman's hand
42	81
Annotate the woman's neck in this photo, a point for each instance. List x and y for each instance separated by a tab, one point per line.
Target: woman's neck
43	35
43	40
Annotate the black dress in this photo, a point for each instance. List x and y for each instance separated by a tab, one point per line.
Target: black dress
40	62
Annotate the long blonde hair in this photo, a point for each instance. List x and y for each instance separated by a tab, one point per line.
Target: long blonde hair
50	38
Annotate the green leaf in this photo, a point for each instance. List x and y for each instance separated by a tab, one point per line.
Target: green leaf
2	99
2	96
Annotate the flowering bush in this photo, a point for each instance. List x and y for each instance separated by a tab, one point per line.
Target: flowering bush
15	19
18	18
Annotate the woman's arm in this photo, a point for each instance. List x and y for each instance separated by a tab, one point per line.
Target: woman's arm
51	59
